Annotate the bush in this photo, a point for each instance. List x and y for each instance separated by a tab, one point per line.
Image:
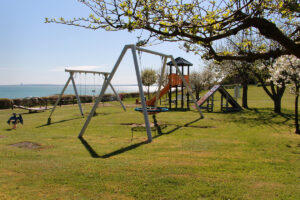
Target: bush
65	100
5	103
109	97
17	102
130	95
86	99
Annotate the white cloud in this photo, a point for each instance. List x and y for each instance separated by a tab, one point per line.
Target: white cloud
83	67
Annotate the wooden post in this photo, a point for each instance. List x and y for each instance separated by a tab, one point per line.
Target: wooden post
227	102
182	101
170	91
176	93
222	102
187	94
212	103
207	106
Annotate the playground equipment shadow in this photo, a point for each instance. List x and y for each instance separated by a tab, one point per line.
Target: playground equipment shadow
58	122
94	154
255	117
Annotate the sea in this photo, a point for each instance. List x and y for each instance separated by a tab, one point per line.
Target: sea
26	91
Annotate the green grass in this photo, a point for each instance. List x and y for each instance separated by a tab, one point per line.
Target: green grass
253	154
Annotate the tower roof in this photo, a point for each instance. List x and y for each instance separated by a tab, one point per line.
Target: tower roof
180	62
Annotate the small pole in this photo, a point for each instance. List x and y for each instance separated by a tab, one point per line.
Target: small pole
171	85
187	94
212	103
182	101
221	102
176	92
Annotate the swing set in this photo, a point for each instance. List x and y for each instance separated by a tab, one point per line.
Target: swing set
144	109
71	78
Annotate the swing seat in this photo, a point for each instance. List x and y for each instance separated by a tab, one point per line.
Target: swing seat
153	110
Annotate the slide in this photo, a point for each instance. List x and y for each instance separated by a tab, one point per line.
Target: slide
151	102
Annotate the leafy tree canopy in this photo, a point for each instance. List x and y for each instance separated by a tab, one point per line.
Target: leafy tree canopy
149	77
200	23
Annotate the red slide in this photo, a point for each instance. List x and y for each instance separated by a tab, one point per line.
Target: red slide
151	102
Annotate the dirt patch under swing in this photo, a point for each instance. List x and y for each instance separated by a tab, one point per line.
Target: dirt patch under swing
27	145
3	136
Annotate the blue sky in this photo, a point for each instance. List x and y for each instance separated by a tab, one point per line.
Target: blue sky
32	52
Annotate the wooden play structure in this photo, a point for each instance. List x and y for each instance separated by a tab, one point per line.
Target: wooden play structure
228	103
174	81
71	78
159	93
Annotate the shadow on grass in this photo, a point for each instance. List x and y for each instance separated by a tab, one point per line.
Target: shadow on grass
94	154
61	121
261	116
179	109
88	147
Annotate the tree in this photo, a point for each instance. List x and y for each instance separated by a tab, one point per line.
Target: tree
202	80
149	77
287	68
263	73
195	80
201	24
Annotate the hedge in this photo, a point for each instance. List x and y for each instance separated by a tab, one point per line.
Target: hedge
5	103
66	99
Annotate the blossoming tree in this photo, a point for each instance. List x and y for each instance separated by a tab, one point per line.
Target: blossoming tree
287	71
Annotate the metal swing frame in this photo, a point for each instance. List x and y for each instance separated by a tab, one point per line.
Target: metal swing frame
134	50
71	78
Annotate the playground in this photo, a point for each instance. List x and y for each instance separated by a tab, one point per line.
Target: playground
251	154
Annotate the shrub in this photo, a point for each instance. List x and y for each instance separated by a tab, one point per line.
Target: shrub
5	103
130	95
109	97
86	99
17	102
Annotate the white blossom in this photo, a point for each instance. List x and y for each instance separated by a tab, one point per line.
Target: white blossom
286	70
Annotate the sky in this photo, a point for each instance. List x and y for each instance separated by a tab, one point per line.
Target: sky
33	52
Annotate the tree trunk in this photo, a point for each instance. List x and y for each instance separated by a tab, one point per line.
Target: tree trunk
275	96
148	92
277	104
197	94
297	131
245	96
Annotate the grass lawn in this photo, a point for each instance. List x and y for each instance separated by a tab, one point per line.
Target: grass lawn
253	154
